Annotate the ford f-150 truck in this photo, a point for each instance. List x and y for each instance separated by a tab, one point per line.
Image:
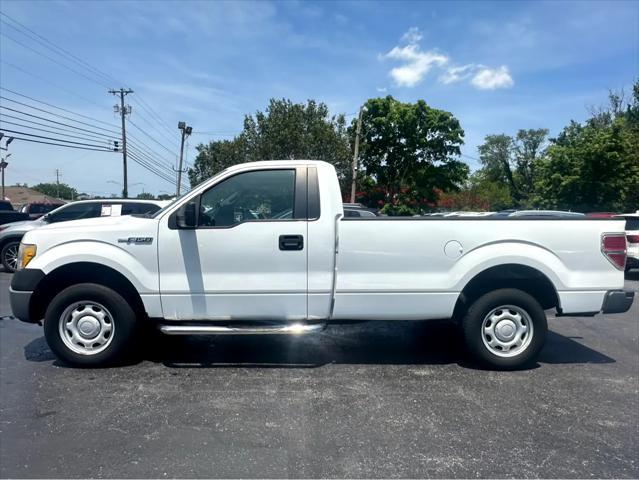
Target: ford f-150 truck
264	248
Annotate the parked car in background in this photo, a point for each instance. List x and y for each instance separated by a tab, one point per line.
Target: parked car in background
12	233
36	210
632	236
546	213
8	214
358	210
601	214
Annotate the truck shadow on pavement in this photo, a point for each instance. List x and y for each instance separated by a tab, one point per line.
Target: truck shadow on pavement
375	343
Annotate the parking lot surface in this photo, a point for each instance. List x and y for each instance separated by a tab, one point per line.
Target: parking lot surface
378	399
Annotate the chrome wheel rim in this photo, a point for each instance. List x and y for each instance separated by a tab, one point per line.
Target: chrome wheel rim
507	331
86	327
11	256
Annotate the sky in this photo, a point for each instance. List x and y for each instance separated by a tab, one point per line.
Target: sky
497	66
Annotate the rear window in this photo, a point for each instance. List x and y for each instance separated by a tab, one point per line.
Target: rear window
5	206
632	223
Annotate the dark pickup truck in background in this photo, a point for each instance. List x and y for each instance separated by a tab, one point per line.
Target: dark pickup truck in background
8	214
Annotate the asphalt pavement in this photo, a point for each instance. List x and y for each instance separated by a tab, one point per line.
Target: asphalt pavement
377	399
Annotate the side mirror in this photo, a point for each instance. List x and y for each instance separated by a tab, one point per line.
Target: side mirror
186	215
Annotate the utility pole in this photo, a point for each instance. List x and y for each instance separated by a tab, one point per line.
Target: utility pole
356	155
186	131
123	111
57	183
3	160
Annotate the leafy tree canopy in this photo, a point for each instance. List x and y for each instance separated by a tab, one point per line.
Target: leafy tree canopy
286	130
511	161
594	166
55	190
410	149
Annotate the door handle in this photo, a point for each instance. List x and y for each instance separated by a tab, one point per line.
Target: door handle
291	242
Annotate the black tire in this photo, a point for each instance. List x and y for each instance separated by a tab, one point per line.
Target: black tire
119	313
7	249
474	334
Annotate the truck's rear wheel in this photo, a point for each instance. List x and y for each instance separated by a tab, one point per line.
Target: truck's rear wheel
505	328
89	325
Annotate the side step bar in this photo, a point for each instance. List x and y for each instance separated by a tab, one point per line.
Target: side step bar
282	329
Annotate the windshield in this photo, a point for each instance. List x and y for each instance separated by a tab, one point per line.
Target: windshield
170	205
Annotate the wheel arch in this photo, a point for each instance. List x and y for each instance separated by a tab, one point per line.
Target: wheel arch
83	272
509	275
9	239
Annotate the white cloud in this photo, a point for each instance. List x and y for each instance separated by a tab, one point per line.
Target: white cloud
381	89
412	36
456	74
416	64
491	78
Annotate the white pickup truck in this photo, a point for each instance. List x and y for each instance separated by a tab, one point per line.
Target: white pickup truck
264	248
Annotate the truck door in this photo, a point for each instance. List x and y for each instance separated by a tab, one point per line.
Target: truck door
247	256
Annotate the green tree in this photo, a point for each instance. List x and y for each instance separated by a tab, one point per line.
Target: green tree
594	165
286	130
512	162
410	149
55	190
145	196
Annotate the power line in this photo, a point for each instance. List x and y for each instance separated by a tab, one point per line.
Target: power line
53	60
56	48
89	138
154	116
46	119
31	74
58	144
51	138
34	36
74	129
56	114
59	108
153	139
150	157
151	168
156	165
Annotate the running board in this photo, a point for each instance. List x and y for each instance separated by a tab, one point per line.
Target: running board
283	329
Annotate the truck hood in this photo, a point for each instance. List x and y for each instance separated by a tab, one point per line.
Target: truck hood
99	223
22	226
125	233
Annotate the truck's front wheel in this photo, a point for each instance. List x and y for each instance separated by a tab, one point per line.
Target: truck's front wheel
505	328
89	325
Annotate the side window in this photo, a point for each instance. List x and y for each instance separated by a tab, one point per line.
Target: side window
76	212
250	196
139	208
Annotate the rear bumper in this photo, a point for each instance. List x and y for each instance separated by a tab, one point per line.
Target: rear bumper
617	301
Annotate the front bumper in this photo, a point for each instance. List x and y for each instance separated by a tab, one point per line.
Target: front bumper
618	301
23	284
20	304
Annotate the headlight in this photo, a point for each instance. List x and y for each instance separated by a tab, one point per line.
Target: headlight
26	252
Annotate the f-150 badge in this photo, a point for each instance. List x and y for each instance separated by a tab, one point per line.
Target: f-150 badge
138	240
